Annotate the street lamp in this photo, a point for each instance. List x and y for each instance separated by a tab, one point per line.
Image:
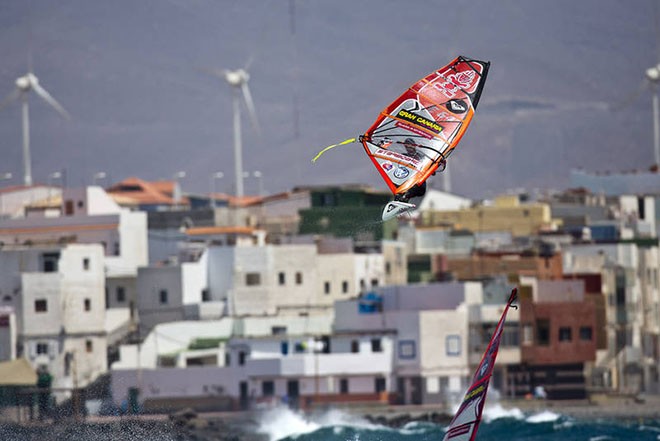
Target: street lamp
214	176
98	176
51	177
176	193
653	75
258	175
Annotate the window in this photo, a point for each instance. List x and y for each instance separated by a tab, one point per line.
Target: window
162	294
343	386
41	305
87	305
565	334
388	268
252	279
68	207
68	361
528	334
407	349
355	346
344	286
86	264
49	262
299	279
278	330
326	287
241	358
376	345
586	333
374	282
88	346
120	294
453	345
42	348
281	278
117	249
268	388
379	384
206	295
543	332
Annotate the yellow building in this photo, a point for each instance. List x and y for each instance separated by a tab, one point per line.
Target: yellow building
506	214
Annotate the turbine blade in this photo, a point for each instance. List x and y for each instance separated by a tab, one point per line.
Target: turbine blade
13	96
624	103
249	62
213	71
50	100
250	106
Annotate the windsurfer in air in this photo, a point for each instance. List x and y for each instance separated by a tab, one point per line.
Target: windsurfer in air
417	190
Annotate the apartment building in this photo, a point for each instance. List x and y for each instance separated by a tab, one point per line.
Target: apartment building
57	294
232	271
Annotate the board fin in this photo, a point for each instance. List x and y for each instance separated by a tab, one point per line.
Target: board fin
395	208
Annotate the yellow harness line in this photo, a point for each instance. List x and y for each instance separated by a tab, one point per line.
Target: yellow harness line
318	155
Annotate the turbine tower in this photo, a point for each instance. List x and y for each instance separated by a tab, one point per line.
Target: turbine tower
25	84
238	80
653	76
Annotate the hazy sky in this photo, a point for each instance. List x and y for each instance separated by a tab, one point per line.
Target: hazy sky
130	74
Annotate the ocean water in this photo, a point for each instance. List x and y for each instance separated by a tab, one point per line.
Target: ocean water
283	424
498	424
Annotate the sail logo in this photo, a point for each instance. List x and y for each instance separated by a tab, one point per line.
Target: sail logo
420	121
455	82
457	106
401	173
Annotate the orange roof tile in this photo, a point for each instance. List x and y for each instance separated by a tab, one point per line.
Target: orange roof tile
140	191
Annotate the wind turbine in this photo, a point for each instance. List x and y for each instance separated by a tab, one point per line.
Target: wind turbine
25	84
238	80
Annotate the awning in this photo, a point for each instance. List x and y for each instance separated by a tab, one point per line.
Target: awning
17	373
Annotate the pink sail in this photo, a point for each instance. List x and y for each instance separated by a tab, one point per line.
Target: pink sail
464	425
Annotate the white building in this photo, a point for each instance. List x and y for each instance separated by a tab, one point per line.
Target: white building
631	285
14	200
248	277
435	347
58	296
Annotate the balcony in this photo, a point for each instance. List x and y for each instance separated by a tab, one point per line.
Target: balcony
309	365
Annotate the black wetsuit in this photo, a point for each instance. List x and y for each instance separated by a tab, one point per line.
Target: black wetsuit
417	190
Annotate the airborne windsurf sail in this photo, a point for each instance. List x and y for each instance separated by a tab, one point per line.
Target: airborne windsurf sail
464	425
417	132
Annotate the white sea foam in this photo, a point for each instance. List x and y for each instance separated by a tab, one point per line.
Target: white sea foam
282	422
496	411
545	416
